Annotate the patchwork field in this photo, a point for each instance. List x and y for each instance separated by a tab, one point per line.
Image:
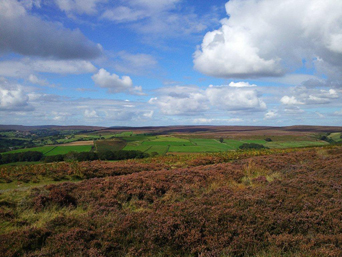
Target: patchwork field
54	150
181	140
175	144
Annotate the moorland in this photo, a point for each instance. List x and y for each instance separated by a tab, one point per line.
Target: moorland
171	191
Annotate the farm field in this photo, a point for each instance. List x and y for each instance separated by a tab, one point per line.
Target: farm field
110	145
42	149
54	150
68	149
200	145
336	136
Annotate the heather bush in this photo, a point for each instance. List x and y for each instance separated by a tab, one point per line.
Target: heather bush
282	203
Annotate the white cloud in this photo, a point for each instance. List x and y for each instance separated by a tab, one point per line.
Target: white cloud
241	84
29	4
289	100
138	9
26	34
338	112
148	115
320	115
310	96
90	114
79	6
12	97
25	67
216	121
188	100
159	19
271	115
114	83
268	38
193	104
123	14
235	99
135	63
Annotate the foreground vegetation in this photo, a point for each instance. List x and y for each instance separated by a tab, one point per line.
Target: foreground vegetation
267	202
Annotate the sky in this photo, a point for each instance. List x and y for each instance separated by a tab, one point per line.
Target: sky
171	62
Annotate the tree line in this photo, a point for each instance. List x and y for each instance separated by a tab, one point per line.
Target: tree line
34	156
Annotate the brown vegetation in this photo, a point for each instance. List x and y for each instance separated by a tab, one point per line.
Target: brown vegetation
261	203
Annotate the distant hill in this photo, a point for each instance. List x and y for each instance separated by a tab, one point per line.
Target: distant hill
29	128
185	129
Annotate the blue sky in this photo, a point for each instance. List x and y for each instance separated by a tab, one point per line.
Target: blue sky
170	62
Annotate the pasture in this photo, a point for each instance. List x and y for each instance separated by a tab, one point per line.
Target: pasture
54	150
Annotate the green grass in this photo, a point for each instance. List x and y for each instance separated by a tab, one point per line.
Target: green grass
160	149
336	136
192	149
139	138
42	149
291	144
170	139
67	149
19	163
166	143
124	134
212	145
142	148
254	141
233	144
110	145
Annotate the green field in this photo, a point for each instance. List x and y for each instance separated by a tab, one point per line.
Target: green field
124	134
170	139
42	149
142	148
54	150
110	145
163	144
336	137
191	149
67	149
166	143
291	144
160	149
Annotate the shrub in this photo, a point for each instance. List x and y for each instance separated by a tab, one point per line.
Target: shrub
248	146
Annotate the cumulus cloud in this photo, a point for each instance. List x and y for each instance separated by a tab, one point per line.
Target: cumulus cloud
90	114
269	38
25	67
241	84
235	99
13	97
271	115
310	96
180	100
26	34
114	83
187	100
290	100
